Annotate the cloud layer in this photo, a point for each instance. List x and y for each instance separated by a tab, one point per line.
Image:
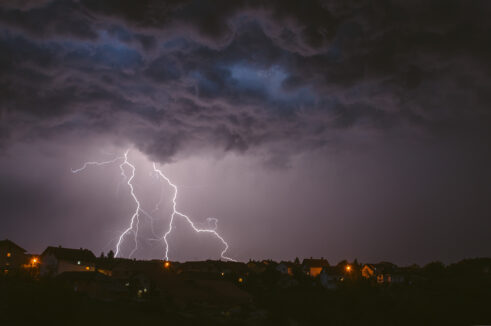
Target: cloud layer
242	75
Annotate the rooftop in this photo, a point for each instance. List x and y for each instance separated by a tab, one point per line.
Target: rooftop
70	254
11	245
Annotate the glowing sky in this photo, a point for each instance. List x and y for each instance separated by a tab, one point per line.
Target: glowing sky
342	129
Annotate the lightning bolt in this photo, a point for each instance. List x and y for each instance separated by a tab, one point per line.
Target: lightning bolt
133	227
134	222
135	217
87	164
176	212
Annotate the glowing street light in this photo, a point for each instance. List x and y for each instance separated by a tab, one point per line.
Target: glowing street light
167	264
348	268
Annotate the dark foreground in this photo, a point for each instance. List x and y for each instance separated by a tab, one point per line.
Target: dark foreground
442	300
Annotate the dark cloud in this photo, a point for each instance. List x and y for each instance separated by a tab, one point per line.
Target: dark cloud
241	74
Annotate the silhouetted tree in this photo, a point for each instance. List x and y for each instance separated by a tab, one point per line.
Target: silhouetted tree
297	261
110	254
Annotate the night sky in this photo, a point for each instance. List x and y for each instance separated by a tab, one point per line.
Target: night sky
337	129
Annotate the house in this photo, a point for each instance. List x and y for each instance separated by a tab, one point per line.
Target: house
12	256
368	271
313	267
286	268
382	273
56	260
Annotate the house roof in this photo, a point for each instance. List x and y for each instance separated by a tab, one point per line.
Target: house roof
69	254
371	266
315	262
11	245
385	267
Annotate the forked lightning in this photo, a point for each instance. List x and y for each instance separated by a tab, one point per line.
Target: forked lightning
134	222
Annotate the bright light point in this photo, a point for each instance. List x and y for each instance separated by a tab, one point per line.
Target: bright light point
87	268
240	280
348	268
167	264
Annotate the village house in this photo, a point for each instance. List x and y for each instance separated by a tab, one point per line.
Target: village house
56	260
382	273
12	256
286	268
313	267
368	271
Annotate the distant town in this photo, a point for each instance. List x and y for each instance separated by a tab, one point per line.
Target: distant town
226	291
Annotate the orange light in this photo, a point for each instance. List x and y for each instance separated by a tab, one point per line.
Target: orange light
240	280
87	268
348	268
34	261
9	254
167	264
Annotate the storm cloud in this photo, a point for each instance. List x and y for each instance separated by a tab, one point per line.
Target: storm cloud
243	74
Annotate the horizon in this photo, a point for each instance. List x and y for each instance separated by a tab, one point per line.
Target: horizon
301	259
